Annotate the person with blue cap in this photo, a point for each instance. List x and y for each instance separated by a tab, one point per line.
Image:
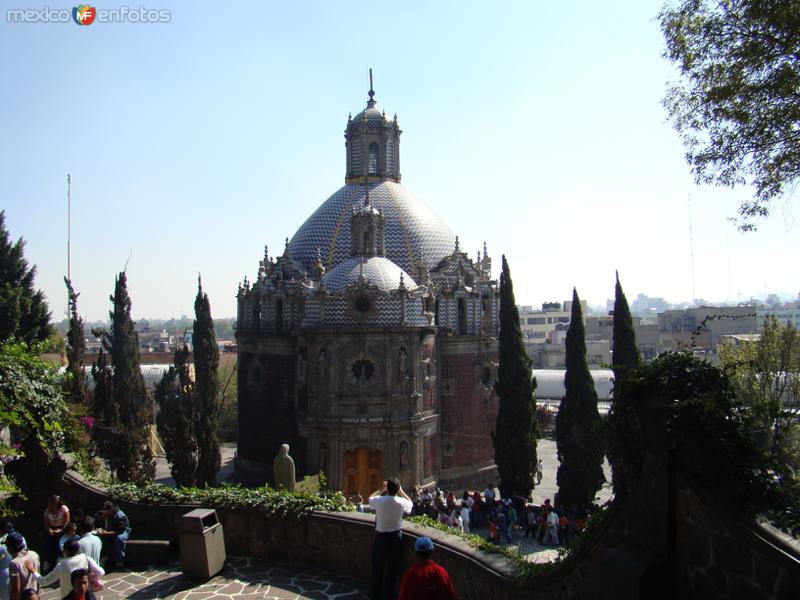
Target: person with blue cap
425	580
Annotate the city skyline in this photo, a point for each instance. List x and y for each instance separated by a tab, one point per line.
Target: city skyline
193	143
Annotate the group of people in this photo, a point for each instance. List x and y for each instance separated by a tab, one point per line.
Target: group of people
503	518
71	551
550	529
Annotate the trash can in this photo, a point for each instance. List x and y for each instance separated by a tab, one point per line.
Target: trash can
202	543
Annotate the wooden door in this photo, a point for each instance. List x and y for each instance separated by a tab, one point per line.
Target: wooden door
363	471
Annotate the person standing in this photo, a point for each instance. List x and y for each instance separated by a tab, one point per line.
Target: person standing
425	580
5	558
563	530
530	522
90	544
539	472
116	532
389	503
488	500
73	560
551	533
20	577
465	516
54	519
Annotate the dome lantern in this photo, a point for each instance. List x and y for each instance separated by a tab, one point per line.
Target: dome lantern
372	144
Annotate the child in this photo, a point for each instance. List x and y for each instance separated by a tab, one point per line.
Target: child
492	531
563	530
70	533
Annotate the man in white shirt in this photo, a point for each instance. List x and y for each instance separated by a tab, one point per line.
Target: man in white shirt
551	534
390	503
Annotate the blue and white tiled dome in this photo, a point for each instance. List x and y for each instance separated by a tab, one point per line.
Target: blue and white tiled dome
372	114
377	270
411	229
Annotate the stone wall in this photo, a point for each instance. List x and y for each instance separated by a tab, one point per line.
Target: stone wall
718	555
723	556
342	543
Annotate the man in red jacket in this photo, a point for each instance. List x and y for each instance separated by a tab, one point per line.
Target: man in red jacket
426	580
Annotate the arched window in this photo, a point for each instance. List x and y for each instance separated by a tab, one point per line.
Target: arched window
462	317
366	248
257	316
279	316
372	165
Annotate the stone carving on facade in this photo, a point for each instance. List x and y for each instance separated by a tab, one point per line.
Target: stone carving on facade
322	365
403	455
402	363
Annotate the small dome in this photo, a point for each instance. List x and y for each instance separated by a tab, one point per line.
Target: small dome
377	270
372	114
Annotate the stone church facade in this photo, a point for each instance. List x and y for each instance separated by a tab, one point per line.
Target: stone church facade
370	344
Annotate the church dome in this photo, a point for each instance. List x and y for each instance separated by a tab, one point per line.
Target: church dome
411	230
372	115
376	270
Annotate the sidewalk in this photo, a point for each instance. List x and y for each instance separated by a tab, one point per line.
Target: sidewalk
242	578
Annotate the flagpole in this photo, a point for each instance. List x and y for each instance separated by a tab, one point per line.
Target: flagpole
69	227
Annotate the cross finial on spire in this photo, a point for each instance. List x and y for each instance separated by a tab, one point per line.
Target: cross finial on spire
371	101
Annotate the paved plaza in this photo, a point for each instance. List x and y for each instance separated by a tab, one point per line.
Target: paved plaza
242	578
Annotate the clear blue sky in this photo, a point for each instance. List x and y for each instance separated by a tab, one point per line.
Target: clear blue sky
534	126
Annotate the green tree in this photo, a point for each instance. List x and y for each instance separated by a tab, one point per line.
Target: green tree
228	403
32	409
105	411
175	396
580	439
76	347
133	459
766	379
23	311
736	104
515	431
207	402
621	422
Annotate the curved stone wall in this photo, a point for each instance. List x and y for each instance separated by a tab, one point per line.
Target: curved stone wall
718	555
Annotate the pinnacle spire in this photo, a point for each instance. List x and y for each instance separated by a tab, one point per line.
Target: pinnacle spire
371	93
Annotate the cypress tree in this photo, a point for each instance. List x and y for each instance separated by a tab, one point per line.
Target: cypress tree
133	459
580	438
625	358
206	366
625	354
515	432
175	397
76	347
23	311
106	415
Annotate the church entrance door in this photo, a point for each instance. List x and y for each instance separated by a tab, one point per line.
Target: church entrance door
363	471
